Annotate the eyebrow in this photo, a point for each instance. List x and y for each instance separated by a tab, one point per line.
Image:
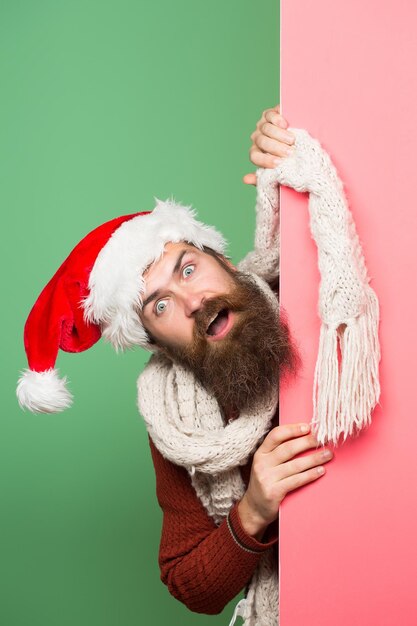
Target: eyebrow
177	266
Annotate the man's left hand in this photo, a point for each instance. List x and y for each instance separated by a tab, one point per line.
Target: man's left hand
270	142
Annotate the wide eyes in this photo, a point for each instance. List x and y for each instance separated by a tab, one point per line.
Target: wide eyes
188	270
161	305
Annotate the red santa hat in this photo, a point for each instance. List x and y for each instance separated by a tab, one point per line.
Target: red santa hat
97	291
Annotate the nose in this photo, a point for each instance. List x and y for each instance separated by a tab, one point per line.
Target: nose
193	302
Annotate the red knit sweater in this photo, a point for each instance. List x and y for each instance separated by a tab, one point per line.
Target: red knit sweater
203	565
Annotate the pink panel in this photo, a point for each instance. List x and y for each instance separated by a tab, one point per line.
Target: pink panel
348	550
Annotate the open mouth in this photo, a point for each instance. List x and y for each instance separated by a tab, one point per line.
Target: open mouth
220	324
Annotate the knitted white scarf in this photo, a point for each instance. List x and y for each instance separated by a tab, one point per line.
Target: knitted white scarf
343	396
185	422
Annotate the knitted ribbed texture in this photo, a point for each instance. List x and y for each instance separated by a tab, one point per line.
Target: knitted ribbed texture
263	260
348	307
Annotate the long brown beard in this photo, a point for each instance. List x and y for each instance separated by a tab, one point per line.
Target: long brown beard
247	364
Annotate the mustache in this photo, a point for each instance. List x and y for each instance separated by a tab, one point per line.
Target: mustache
212	307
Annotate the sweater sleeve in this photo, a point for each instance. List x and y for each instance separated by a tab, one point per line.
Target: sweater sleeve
263	260
203	565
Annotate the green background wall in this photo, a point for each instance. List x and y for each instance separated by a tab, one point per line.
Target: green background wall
105	105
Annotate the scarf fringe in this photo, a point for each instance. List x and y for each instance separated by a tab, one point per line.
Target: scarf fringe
344	395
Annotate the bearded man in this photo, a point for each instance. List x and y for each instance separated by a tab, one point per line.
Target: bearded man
209	393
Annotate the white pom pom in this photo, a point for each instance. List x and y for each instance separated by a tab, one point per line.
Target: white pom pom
43	392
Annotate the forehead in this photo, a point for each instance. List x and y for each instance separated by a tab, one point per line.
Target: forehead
171	251
158	273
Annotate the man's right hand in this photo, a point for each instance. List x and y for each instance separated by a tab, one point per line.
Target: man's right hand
270	142
275	473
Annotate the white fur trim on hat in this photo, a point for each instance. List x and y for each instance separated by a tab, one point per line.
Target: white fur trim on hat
43	392
116	283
